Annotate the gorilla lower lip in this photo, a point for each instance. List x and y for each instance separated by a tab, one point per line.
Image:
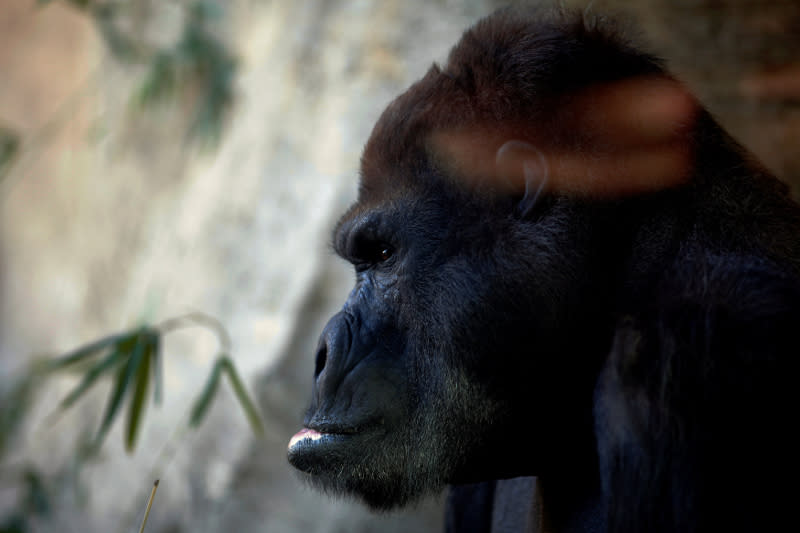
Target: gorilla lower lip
303	434
309	449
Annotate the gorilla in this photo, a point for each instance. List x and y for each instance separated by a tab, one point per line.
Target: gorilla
564	269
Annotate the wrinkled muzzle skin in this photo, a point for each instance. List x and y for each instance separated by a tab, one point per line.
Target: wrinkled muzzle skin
358	402
366	420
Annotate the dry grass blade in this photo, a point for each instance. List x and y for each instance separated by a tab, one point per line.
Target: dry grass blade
149	505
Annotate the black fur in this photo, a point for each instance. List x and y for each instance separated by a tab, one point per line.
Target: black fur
645	340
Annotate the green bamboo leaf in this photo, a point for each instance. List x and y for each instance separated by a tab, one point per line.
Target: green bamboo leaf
37	499
121	45
244	399
123	379
137	405
158	371
87	351
15	404
205	10
161	81
91	376
9	149
80	4
209	391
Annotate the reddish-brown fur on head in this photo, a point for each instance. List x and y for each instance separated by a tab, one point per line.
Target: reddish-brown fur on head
605	118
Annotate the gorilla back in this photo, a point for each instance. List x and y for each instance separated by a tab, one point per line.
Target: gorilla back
565	269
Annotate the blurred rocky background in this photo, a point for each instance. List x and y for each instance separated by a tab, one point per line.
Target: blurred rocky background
165	157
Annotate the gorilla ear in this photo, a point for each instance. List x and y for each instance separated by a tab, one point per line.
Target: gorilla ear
515	155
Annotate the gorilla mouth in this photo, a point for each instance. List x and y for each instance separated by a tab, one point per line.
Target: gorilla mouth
312	435
307	437
303	434
309	447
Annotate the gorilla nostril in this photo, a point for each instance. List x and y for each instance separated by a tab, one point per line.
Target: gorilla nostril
322	357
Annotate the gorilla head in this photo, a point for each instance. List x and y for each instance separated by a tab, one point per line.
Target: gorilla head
515	207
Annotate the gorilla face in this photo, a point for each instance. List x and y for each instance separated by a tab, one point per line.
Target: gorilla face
424	376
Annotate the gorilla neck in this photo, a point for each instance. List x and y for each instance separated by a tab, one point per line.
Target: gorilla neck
560	449
570	506
554	439
526	504
570	485
566	497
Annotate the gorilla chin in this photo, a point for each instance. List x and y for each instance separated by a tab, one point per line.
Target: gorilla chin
348	465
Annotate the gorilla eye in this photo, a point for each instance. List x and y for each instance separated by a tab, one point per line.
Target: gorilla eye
369	254
378	252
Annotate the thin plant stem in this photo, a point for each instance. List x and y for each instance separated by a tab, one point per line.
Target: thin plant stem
198	319
149	504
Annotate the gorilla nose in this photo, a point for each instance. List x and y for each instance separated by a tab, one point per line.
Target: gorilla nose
334	344
322	357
